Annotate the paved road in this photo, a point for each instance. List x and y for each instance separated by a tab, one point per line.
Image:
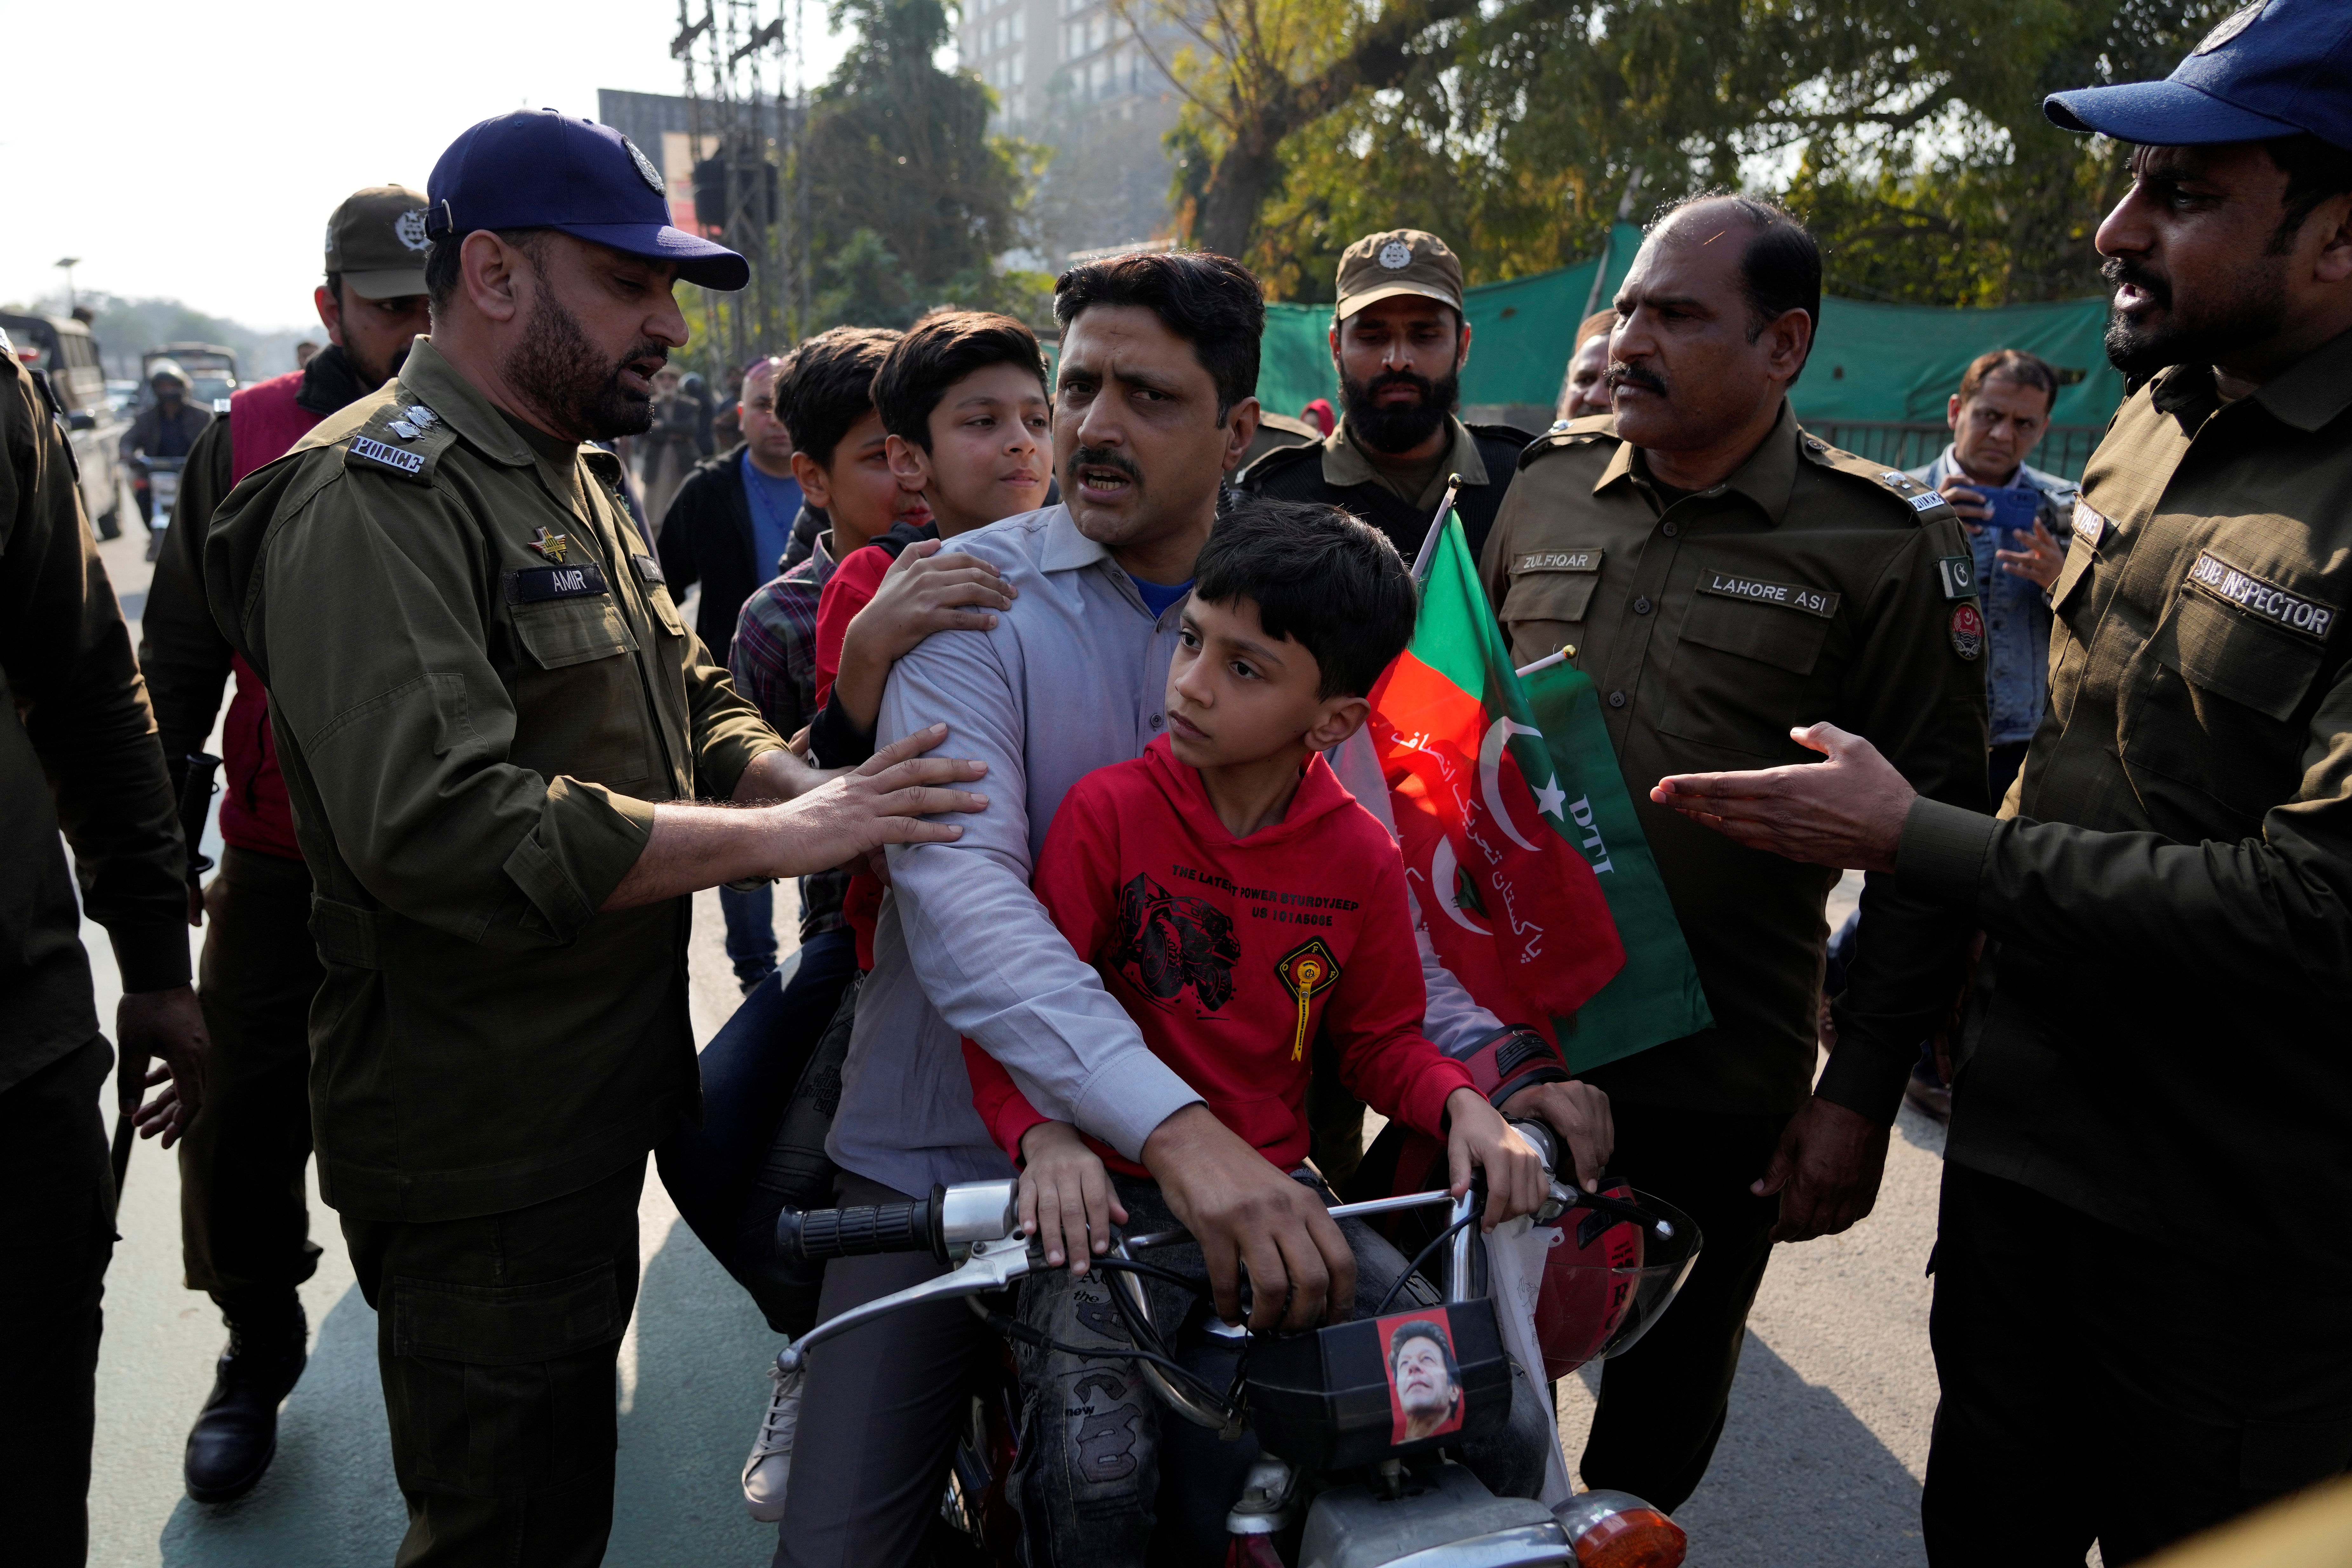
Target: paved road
1819	1465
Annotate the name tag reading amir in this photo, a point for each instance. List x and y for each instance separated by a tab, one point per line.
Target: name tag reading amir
534	584
2268	600
1788	595
1557	561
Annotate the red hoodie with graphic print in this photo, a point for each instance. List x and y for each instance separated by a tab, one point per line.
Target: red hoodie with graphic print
1230	954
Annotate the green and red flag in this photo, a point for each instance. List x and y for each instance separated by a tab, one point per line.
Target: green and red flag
1511	904
1656	997
1532	877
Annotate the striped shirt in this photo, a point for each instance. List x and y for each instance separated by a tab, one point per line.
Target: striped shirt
774	661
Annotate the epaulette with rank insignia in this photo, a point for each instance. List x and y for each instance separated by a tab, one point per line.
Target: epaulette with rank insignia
1925	503
1271	465
403	437
1566	433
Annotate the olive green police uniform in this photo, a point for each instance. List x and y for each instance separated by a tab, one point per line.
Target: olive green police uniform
480	687
2145	1256
1809	586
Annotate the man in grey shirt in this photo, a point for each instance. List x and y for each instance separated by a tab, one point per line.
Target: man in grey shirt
1158	356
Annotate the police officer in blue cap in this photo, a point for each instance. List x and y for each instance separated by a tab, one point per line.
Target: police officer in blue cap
2144	1279
494	727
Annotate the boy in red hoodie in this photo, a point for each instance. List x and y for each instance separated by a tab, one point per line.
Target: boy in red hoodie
1237	900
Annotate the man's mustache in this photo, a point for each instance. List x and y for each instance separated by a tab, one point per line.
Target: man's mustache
636	358
2119	270
1401	377
1620	374
1100	457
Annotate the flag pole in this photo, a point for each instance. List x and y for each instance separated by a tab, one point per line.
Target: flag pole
1436	524
1559	655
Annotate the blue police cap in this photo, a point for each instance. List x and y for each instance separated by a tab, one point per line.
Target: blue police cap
2272	69
536	168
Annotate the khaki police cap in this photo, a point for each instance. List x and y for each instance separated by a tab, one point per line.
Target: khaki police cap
1402	261
376	240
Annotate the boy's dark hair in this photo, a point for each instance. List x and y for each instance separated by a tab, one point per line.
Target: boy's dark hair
1318	575
939	350
826	385
1211	301
1781	266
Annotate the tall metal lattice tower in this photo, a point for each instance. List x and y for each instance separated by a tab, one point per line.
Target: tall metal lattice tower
747	111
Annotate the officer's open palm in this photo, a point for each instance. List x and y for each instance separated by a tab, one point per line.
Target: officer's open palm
883	801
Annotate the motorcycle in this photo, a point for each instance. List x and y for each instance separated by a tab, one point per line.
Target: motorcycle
1343	1477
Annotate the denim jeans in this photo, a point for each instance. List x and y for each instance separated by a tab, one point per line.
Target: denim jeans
750	1071
1106	1476
750	931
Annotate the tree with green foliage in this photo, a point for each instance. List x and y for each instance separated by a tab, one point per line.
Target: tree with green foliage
912	200
1910	136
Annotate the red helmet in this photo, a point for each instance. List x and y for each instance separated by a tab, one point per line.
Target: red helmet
1615	1261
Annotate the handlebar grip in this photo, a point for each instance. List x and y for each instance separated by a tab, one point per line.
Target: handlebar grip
860	1230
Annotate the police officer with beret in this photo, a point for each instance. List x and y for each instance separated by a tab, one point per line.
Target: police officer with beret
494	727
1399	342
2143	1279
1724	577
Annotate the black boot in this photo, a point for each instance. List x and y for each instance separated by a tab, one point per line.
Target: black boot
233	1441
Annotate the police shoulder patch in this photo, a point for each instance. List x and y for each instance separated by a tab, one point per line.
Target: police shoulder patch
1924	504
1566	435
395	439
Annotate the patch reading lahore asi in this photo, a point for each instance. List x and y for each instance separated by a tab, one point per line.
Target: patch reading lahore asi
1789	596
2268	600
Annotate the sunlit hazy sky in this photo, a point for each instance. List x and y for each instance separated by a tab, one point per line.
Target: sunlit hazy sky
195	152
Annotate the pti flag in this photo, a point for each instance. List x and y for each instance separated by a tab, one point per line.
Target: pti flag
1656	997
1512	905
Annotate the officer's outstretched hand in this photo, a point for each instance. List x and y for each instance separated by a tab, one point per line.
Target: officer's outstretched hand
1826	1170
822	826
882	802
1847	811
169	1026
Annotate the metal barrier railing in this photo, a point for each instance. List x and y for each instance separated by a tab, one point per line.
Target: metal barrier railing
2063	450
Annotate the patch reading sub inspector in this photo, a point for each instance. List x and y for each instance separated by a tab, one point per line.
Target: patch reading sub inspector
2268	600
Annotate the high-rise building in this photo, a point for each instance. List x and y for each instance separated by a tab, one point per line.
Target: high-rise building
1071	75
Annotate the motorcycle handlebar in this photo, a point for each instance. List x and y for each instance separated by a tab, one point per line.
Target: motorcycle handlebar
860	1230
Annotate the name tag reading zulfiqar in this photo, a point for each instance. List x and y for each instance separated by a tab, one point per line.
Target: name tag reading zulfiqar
534	584
2268	600
1557	561
1788	595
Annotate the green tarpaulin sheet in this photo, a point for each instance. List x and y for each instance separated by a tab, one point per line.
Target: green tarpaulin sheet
1889	363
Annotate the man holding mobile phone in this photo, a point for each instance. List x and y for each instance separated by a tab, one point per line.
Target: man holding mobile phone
2016	517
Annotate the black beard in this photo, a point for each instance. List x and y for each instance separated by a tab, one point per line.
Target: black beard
1399	427
370	377
2257	310
556	366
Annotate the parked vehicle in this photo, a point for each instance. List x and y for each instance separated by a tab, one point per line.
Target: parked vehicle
63	351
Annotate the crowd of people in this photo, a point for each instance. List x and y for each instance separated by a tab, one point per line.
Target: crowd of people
1035	679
